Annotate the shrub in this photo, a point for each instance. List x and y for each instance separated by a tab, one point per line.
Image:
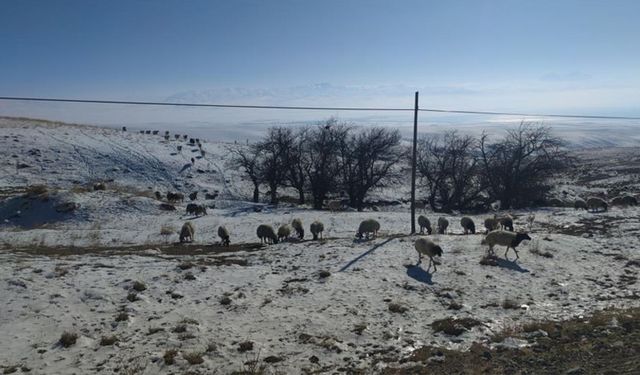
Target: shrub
108	340
68	338
194	358
139	286
170	356
453	326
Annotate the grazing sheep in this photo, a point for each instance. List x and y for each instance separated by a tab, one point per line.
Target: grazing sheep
504	238
423	222
468	225
185	137
618	201
284	232
192	141
223	233
166	137
193	161
195	209
191	208
630	200
425	246
179	148
197	140
124	128
580	204
317	228
155	132
595	204
442	225
506	222
176	136
166	132
297	226
141	131
158	195
202	153
420	205
147	132
187	232
266	234
210	196
193	196
368	226
334	205
491	223
174	197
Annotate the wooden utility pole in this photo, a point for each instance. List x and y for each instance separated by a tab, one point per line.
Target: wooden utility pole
413	167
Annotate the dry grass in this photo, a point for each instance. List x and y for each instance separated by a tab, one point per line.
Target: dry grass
108	340
169	356
509	303
453	326
194	358
68	339
139	286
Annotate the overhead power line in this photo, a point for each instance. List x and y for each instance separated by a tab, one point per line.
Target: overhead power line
209	105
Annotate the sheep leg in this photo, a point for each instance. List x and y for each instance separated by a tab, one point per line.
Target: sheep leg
505	253
516	251
435	269
419	259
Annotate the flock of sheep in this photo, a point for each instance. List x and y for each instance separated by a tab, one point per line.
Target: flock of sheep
499	231
598	204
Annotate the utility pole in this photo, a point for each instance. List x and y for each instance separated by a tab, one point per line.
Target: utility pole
413	167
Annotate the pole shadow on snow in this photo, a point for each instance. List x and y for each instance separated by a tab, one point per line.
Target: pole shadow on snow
352	262
416	272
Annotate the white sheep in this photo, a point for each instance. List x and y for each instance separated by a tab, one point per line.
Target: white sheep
368	226
424	222
425	246
468	225
297	226
266	234
442	225
491	223
595	204
506	222
223	233
187	232
504	238
316	229
580	204
284	232
334	205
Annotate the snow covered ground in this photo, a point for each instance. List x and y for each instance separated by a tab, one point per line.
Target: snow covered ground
304	306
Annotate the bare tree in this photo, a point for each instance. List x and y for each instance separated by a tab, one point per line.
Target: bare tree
448	165
296	164
273	163
248	159
518	167
367	161
323	145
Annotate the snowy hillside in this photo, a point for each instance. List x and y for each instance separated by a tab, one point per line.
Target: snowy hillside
70	257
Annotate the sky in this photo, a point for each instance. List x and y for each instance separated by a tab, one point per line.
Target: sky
562	56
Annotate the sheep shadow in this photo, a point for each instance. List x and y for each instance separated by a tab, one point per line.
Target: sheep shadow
353	261
417	273
507	264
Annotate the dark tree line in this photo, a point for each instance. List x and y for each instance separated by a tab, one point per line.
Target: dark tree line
322	161
457	172
461	172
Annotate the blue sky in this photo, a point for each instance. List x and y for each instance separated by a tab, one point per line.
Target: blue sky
563	56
